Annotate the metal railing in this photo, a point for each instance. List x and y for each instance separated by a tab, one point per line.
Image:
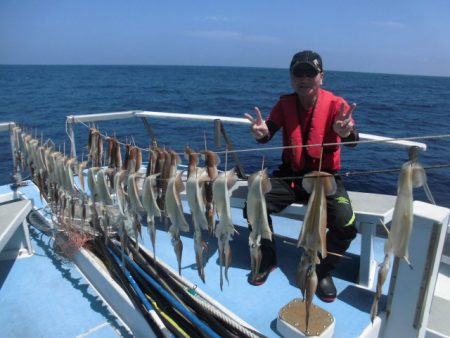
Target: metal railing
71	119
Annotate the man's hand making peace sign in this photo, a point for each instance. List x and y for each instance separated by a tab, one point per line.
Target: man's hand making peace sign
258	127
343	125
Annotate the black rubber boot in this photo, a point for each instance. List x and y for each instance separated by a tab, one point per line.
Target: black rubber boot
326	290
269	257
268	262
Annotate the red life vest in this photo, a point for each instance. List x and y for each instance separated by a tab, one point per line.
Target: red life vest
285	115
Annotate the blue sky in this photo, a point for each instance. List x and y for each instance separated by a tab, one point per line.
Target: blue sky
395	36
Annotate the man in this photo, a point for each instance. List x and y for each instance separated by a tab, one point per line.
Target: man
309	116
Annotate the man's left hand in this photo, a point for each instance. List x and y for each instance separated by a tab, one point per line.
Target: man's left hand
343	125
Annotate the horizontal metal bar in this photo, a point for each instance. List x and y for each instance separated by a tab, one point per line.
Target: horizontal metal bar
362	136
6	126
227	119
193	117
101	117
403	143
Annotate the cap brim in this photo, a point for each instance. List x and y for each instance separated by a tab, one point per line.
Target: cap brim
309	63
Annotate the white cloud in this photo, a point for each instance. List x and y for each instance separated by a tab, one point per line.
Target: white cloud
389	24
233	35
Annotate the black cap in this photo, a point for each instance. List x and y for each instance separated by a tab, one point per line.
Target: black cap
307	57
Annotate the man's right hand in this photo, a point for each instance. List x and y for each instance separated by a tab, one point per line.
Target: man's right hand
259	128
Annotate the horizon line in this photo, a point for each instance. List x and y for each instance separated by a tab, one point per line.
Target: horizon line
211	66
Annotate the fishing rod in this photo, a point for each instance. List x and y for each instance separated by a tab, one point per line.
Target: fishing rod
194	290
118	273
150	309
177	320
176	328
241	330
142	257
177	324
140	299
152	271
161	275
200	324
221	328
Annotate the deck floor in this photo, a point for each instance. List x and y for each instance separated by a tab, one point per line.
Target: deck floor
259	305
46	296
51	298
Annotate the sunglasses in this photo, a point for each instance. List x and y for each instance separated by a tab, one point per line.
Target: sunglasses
308	72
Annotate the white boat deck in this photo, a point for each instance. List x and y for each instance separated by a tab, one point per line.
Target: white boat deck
256	305
52	298
43	295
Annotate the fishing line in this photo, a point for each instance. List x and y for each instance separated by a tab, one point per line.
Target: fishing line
411	138
380	171
353	173
321	157
104	135
340	143
226	158
343	174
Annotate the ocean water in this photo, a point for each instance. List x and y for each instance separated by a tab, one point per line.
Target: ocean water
40	97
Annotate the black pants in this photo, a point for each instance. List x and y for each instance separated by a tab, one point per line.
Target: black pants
340	217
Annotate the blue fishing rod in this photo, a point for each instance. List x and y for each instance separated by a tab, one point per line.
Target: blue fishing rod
174	302
173	321
101	251
151	311
171	285
211	315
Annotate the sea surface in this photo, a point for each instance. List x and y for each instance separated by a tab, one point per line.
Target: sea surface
40	97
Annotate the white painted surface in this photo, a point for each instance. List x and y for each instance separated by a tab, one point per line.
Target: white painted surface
408	282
